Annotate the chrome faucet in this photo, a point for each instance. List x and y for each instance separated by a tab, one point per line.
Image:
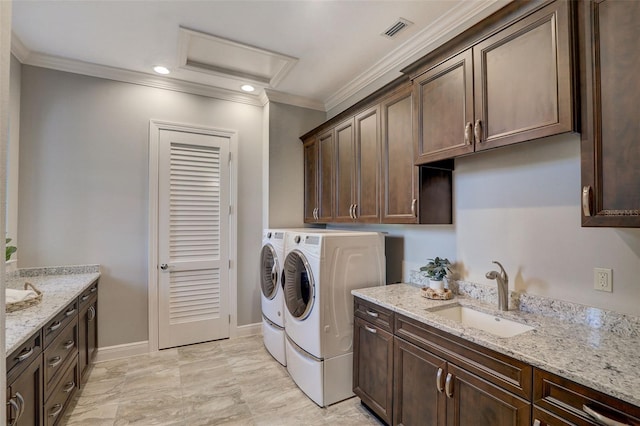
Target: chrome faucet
503	286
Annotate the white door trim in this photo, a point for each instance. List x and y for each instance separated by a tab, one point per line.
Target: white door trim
155	126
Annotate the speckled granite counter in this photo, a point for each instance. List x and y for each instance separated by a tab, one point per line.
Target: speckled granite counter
59	286
588	349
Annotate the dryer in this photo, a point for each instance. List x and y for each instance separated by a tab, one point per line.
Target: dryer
272	301
320	270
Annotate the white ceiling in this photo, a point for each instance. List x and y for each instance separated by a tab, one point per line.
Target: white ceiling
337	43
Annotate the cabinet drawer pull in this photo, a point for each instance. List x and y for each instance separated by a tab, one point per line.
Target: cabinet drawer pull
586	200
468	133
69	387
85	297
24	354
536	422
55	361
68	344
439	384
370	330
56	325
55	410
603	420
448	386
70	312
477	131
372	314
94	289
92	313
13	404
414	212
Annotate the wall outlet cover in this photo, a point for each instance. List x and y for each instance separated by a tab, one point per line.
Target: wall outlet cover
602	279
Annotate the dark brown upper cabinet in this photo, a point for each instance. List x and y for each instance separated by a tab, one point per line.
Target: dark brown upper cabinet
367	168
345	174
318	178
610	93
513	86
399	192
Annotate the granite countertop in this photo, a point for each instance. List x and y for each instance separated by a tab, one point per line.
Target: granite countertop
59	286
590	351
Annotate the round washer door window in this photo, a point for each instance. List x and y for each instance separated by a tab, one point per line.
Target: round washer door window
299	288
269	271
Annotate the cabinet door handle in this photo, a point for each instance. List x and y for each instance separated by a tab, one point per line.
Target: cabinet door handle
439	384
13	404
586	200
355	211
468	133
24	355
448	386
370	330
69	387
315	213
92	313
70	312
21	404
68	344
372	314
477	131
602	419
351	211
414	203
56	325
55	361
55	410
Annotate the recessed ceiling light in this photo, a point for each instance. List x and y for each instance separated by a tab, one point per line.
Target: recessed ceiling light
247	88
161	70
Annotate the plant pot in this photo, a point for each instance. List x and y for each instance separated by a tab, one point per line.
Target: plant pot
436	285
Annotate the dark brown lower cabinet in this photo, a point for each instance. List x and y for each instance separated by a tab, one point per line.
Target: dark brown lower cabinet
24	394
417	400
88	336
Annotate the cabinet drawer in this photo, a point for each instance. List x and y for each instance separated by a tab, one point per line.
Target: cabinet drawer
566	399
377	315
58	355
501	370
21	357
58	323
88	295
61	395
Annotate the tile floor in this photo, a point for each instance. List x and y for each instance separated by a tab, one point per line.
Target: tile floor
227	382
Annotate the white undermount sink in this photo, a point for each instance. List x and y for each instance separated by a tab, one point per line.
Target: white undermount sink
469	317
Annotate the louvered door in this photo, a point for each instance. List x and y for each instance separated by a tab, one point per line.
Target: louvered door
193	254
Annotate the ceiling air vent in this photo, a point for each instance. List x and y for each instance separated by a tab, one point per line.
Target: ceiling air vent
396	27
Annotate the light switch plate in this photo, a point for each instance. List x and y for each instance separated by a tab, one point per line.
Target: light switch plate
602	279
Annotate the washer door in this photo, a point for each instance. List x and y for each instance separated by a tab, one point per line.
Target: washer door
269	271
299	288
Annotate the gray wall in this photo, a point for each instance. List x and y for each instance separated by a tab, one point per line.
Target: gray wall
520	205
84	185
286	168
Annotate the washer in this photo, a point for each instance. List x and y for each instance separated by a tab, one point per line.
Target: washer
320	270
272	301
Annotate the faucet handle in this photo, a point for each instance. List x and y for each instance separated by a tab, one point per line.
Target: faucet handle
504	273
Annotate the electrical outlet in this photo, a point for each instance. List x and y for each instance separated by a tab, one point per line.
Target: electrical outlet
602	279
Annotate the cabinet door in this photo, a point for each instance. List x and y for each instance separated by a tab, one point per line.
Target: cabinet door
27	391
609	33
373	367
399	193
418	397
88	337
523	80
310	180
325	177
367	166
444	110
473	401
345	171
92	331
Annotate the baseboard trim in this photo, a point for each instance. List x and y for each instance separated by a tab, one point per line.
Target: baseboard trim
122	351
249	330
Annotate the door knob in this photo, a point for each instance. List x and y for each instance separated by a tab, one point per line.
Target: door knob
164	266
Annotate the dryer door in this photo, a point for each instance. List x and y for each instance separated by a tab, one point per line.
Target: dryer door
269	271
299	287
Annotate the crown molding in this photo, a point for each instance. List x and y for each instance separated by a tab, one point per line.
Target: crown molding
431	37
135	77
269	95
18	48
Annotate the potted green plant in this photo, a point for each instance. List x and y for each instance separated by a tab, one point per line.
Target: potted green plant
436	269
9	249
